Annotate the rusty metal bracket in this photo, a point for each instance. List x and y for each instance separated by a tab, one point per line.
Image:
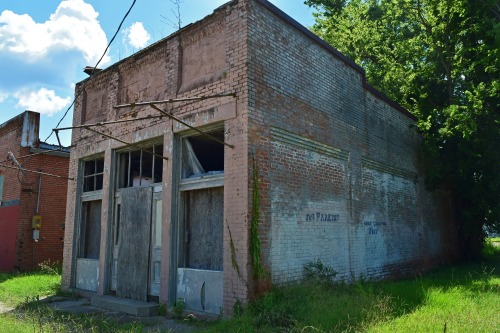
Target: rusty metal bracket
104	123
126	143
191	127
174	100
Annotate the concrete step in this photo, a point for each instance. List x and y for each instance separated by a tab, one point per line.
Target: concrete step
130	306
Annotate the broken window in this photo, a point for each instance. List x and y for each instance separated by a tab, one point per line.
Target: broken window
140	167
93	175
202	156
90	233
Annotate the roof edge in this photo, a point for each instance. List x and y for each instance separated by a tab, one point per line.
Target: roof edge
288	19
139	53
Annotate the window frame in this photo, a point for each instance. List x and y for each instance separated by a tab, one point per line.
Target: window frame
130	150
95	175
205	180
85	198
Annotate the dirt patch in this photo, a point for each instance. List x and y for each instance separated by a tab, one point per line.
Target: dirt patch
4	308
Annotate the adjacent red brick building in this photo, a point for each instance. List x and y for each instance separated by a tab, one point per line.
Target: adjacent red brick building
299	159
26	194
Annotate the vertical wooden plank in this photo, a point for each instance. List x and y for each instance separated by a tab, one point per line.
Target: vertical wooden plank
155	255
133	252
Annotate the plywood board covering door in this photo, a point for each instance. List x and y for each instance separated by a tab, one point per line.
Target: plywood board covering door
204	214
133	253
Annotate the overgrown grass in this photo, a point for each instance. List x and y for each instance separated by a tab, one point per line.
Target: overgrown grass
16	288
23	291
37	317
465	298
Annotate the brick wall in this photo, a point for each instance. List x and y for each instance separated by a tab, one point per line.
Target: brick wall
52	204
22	191
339	177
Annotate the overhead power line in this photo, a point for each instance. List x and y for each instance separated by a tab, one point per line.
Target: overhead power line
93	70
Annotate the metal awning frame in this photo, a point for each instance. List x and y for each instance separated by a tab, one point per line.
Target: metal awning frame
178	100
89	128
152	104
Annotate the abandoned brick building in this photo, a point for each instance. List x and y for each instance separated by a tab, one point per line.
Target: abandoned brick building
300	152
32	204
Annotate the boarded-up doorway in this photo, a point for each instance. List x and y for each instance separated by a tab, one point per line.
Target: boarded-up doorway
132	262
136	241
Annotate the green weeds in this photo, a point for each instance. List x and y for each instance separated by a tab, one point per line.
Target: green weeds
23	292
462	299
15	288
316	271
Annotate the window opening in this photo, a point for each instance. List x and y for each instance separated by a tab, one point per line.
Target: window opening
140	167
90	230
202	156
93	172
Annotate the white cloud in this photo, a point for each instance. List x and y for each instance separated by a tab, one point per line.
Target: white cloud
39	61
137	36
43	101
73	27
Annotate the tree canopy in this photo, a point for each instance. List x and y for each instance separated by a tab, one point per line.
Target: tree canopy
440	60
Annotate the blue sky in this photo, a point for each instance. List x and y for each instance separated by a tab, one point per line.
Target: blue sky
44	46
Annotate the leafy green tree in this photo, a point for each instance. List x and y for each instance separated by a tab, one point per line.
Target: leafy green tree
440	60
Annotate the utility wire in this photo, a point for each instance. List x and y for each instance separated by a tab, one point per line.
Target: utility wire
93	70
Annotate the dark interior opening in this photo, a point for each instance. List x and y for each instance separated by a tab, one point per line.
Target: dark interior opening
140	167
209	153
